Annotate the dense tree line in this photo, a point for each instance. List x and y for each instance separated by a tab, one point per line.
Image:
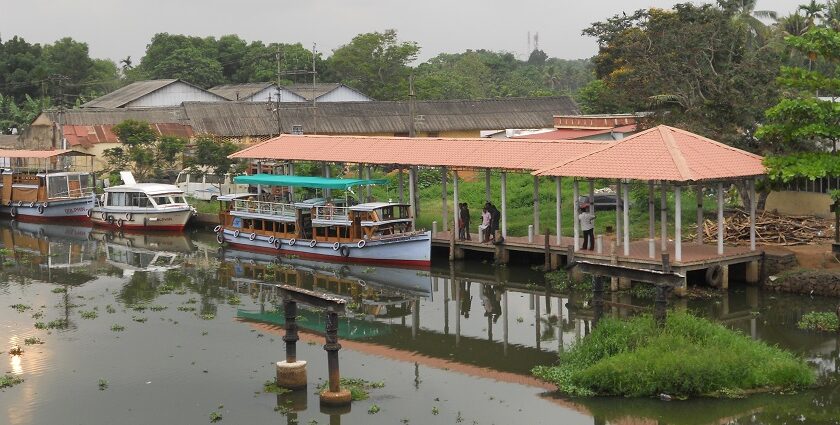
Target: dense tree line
712	69
379	64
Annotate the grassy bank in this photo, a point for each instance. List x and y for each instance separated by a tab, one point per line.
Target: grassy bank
689	357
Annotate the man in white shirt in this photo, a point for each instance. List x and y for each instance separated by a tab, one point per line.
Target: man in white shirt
587	224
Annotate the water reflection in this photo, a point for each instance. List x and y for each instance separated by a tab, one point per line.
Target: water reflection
472	318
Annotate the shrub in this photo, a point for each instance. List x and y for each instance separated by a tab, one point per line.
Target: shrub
689	357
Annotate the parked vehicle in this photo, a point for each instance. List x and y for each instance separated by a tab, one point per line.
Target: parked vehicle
207	187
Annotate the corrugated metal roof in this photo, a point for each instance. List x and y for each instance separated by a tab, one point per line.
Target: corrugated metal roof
20	153
173	114
244	90
308	92
124	95
424	151
661	153
244	118
239	119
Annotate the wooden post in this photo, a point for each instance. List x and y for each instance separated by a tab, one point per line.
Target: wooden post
400	185
626	194
332	346
326	167
504	204
678	223
591	196
700	220
444	213
575	212
720	219
752	215
536	203
663	218
547	251
367	187
618	212
455	209
412	185
488	195
558	216
291	188
651	211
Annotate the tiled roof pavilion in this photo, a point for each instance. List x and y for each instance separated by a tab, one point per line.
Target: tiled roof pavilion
661	154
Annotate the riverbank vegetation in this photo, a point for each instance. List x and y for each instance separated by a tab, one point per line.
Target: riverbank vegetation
690	356
819	321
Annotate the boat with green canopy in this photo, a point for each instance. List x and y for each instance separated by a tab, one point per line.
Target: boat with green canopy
337	228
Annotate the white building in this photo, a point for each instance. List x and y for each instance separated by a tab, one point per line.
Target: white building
264	92
154	94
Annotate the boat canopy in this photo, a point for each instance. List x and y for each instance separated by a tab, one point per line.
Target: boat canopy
304	181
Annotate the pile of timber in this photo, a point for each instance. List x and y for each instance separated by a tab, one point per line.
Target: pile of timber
771	229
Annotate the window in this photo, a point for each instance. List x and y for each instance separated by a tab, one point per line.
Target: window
162	200
140	200
178	199
58	187
182	177
116	199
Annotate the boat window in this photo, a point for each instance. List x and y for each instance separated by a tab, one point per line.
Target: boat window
178	199
162	200
57	186
116	199
182	177
140	200
86	182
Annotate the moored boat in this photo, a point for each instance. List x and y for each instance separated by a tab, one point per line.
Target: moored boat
45	185
331	229
142	206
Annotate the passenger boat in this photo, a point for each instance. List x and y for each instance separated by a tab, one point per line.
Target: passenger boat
146	206
45	185
332	229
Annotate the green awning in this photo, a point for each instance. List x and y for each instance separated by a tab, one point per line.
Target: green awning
304	181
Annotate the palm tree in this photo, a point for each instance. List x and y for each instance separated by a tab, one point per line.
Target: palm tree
831	18
793	24
813	11
744	14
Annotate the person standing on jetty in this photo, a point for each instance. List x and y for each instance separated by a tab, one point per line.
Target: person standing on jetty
587	224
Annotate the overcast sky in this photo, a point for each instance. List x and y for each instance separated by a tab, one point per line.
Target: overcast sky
118	28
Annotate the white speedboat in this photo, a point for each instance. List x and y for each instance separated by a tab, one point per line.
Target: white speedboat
142	206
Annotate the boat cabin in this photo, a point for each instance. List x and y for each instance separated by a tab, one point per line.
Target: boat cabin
44	176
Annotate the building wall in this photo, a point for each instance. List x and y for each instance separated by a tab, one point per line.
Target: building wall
263	95
799	203
99	162
343	94
287	96
173	95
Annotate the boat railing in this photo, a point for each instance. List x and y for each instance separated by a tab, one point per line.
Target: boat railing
330	212
263	207
72	193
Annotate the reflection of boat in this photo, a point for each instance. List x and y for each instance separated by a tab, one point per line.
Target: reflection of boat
409	282
147	206
49	252
39	186
144	252
173	242
373	232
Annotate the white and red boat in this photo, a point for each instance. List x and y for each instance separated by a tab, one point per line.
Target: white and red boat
329	229
142	206
45	185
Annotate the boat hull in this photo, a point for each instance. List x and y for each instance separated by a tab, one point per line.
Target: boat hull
165	220
61	210
411	251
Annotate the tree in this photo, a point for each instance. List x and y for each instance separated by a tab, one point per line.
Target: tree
143	151
210	157
808	115
537	58
693	65
376	64
189	64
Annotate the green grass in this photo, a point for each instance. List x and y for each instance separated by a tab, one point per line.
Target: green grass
819	321
207	207
691	356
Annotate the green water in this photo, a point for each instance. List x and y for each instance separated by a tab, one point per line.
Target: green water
452	345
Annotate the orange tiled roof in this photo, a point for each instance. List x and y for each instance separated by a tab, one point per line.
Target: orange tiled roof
520	155
89	135
661	153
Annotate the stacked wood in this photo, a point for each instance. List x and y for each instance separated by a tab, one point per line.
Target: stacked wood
770	229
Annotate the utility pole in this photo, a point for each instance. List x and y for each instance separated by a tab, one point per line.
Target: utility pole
412	132
314	107
59	80
277	105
